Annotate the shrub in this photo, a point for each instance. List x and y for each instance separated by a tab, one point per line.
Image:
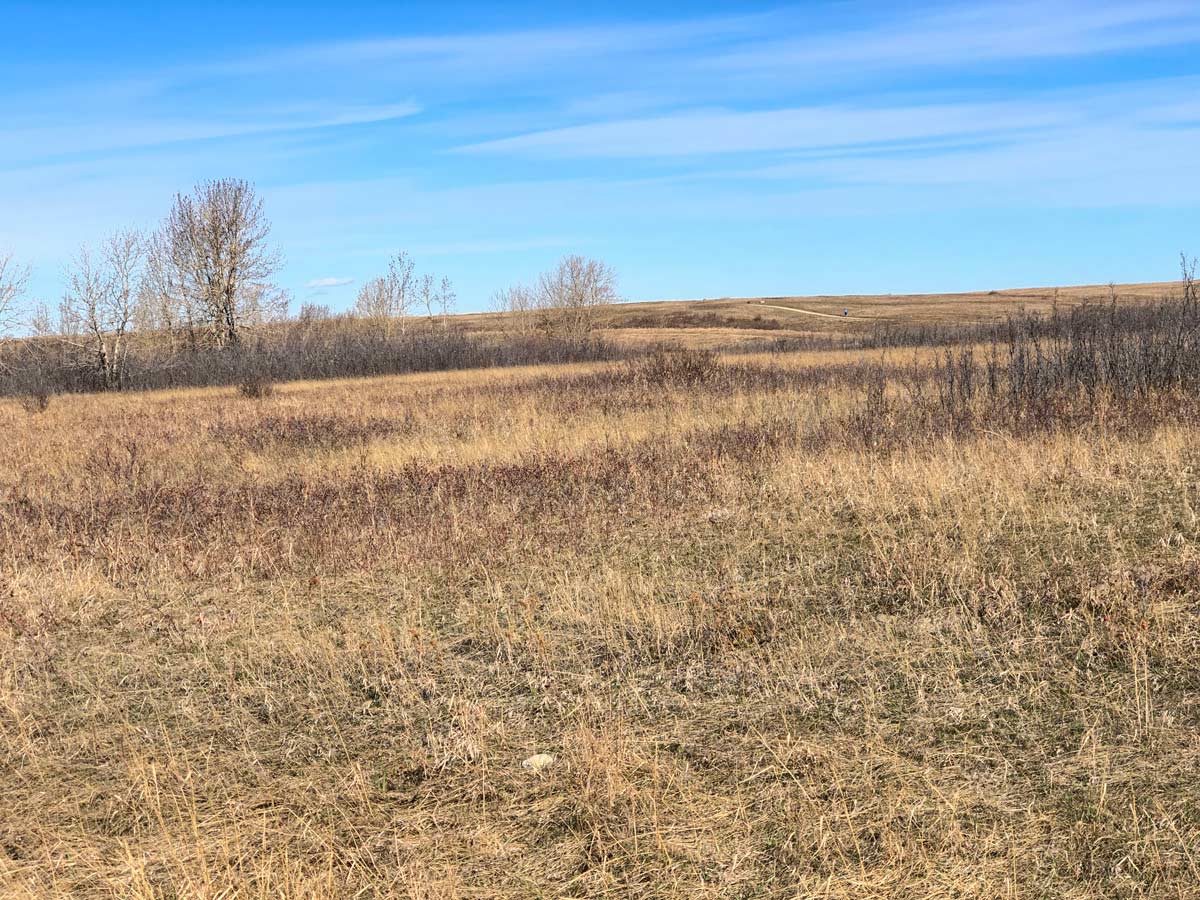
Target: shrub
37	400
30	385
255	385
684	368
342	347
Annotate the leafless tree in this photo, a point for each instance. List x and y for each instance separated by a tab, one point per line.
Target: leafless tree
213	264
167	306
389	298
519	305
447	299
437	298
313	312
427	295
372	301
13	281
1187	268
573	290
100	306
392	297
41	321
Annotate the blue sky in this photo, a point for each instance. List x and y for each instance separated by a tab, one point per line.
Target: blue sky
704	149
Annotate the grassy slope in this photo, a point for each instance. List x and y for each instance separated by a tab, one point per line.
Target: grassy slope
627	319
299	647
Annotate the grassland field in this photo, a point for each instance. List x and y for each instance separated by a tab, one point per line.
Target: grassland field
790	624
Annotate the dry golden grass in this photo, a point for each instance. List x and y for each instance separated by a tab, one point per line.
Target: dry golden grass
299	646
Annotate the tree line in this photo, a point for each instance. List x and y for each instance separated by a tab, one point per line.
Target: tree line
195	301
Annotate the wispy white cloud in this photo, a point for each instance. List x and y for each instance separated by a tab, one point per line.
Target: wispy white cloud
729	131
150	130
329	282
932	33
1084	167
619	103
943	34
871	124
482	53
601	72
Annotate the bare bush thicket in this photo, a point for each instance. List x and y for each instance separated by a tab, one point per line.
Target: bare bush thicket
1115	368
146	312
340	347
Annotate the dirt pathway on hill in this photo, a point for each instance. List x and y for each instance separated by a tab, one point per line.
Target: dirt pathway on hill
809	312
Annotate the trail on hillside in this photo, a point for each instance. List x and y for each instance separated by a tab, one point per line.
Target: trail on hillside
809	312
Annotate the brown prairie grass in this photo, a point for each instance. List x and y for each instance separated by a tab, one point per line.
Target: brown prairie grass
747	322
300	646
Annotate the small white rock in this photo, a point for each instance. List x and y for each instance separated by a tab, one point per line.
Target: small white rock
537	762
